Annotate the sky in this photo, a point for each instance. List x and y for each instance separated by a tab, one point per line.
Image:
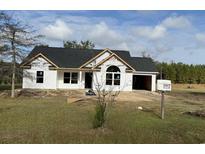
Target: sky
177	36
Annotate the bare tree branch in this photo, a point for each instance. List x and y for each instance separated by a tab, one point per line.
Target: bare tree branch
17	37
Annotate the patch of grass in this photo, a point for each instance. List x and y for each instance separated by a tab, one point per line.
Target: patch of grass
196	87
99	117
8	87
53	120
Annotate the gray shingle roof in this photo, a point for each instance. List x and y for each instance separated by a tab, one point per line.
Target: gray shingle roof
74	58
143	64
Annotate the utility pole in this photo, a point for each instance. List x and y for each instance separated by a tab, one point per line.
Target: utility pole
161	73
162	104
162	98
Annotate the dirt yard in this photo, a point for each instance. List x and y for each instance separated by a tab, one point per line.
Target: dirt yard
138	95
78	95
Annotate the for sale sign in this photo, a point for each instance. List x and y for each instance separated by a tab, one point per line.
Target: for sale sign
164	85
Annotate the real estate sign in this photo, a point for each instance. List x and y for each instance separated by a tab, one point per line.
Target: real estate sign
164	85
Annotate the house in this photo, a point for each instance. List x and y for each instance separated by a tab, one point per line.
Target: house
62	68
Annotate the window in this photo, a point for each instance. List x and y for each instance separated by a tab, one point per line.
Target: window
74	78
113	69
113	75
71	77
66	77
116	79
109	79
39	77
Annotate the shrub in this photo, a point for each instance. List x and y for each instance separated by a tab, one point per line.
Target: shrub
99	118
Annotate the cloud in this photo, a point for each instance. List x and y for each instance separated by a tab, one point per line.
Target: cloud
157	39
196	42
149	32
162	48
199	43
177	22
160	30
200	37
98	32
57	31
104	36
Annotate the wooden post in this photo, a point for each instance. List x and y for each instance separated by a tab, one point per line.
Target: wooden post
161	73
13	69
162	104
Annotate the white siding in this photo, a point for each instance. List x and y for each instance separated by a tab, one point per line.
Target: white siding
99	59
62	85
99	78
29	75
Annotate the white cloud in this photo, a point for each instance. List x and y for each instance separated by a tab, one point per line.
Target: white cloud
104	36
57	31
162	48
153	38
176	22
200	37
149	32
100	33
159	31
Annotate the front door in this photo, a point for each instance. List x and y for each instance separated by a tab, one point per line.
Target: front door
88	80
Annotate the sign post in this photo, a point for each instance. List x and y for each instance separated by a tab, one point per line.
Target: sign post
163	86
162	104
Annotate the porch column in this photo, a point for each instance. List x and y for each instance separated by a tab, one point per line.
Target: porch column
80	78
153	83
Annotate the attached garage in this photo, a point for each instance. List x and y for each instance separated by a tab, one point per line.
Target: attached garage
142	82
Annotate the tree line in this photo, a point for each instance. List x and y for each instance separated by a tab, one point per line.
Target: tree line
182	73
6	75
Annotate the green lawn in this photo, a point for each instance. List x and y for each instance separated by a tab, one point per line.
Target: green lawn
53	120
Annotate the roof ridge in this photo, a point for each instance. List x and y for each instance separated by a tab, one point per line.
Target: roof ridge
63	48
142	57
79	48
